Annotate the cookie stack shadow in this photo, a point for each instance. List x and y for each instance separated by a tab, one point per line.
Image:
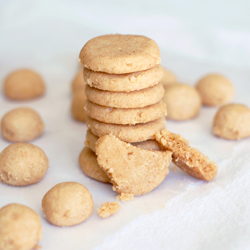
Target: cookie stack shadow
124	97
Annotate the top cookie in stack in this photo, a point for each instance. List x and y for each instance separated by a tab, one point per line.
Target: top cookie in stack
124	95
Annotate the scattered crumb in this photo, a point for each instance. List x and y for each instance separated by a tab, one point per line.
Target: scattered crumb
181	184
108	209
125	197
163	206
175	169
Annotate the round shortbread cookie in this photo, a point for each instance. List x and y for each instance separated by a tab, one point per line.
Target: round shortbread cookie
119	54
77	105
127	133
183	102
126	116
23	84
152	145
232	122
89	165
67	204
124	82
20	228
78	82
135	99
168	78
215	90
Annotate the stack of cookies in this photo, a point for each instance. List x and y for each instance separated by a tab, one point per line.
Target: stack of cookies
124	94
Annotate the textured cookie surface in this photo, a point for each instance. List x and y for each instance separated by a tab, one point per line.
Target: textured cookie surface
134	99
215	90
77	105
124	82
20	228
22	164
187	158
89	165
108	209
128	133
67	204
119	54
232	121
132	170
78	82
21	125
91	140
23	84
183	102
126	116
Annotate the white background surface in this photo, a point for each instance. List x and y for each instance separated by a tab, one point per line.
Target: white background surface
195	38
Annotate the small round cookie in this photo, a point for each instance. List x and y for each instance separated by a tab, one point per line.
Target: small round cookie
91	140
22	164
67	204
23	84
232	122
215	90
89	165
126	116
21	125
168	78
134	170
78	83
120	54
77	106
135	99
127	133
20	228
183	102
124	82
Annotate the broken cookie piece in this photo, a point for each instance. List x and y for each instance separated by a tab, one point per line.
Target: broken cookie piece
108	209
187	158
132	170
125	197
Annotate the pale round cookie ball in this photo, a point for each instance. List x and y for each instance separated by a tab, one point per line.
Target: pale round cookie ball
215	90
232	122
21	125
67	204
168	78
183	102
20	228
78	82
23	84
77	105
22	164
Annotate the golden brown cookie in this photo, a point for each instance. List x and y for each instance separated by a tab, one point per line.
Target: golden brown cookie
126	116
23	84
77	105
232	122
108	208
132	170
183	102
67	204
125	197
128	133
22	164
119	54
20	228
168	78
215	90
21	125
78	82
124	82
134	99
91	140
187	158
89	165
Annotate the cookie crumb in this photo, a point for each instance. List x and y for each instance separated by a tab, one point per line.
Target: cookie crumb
108	209
125	197
174	169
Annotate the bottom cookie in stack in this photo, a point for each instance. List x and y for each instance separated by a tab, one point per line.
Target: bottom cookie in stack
88	159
